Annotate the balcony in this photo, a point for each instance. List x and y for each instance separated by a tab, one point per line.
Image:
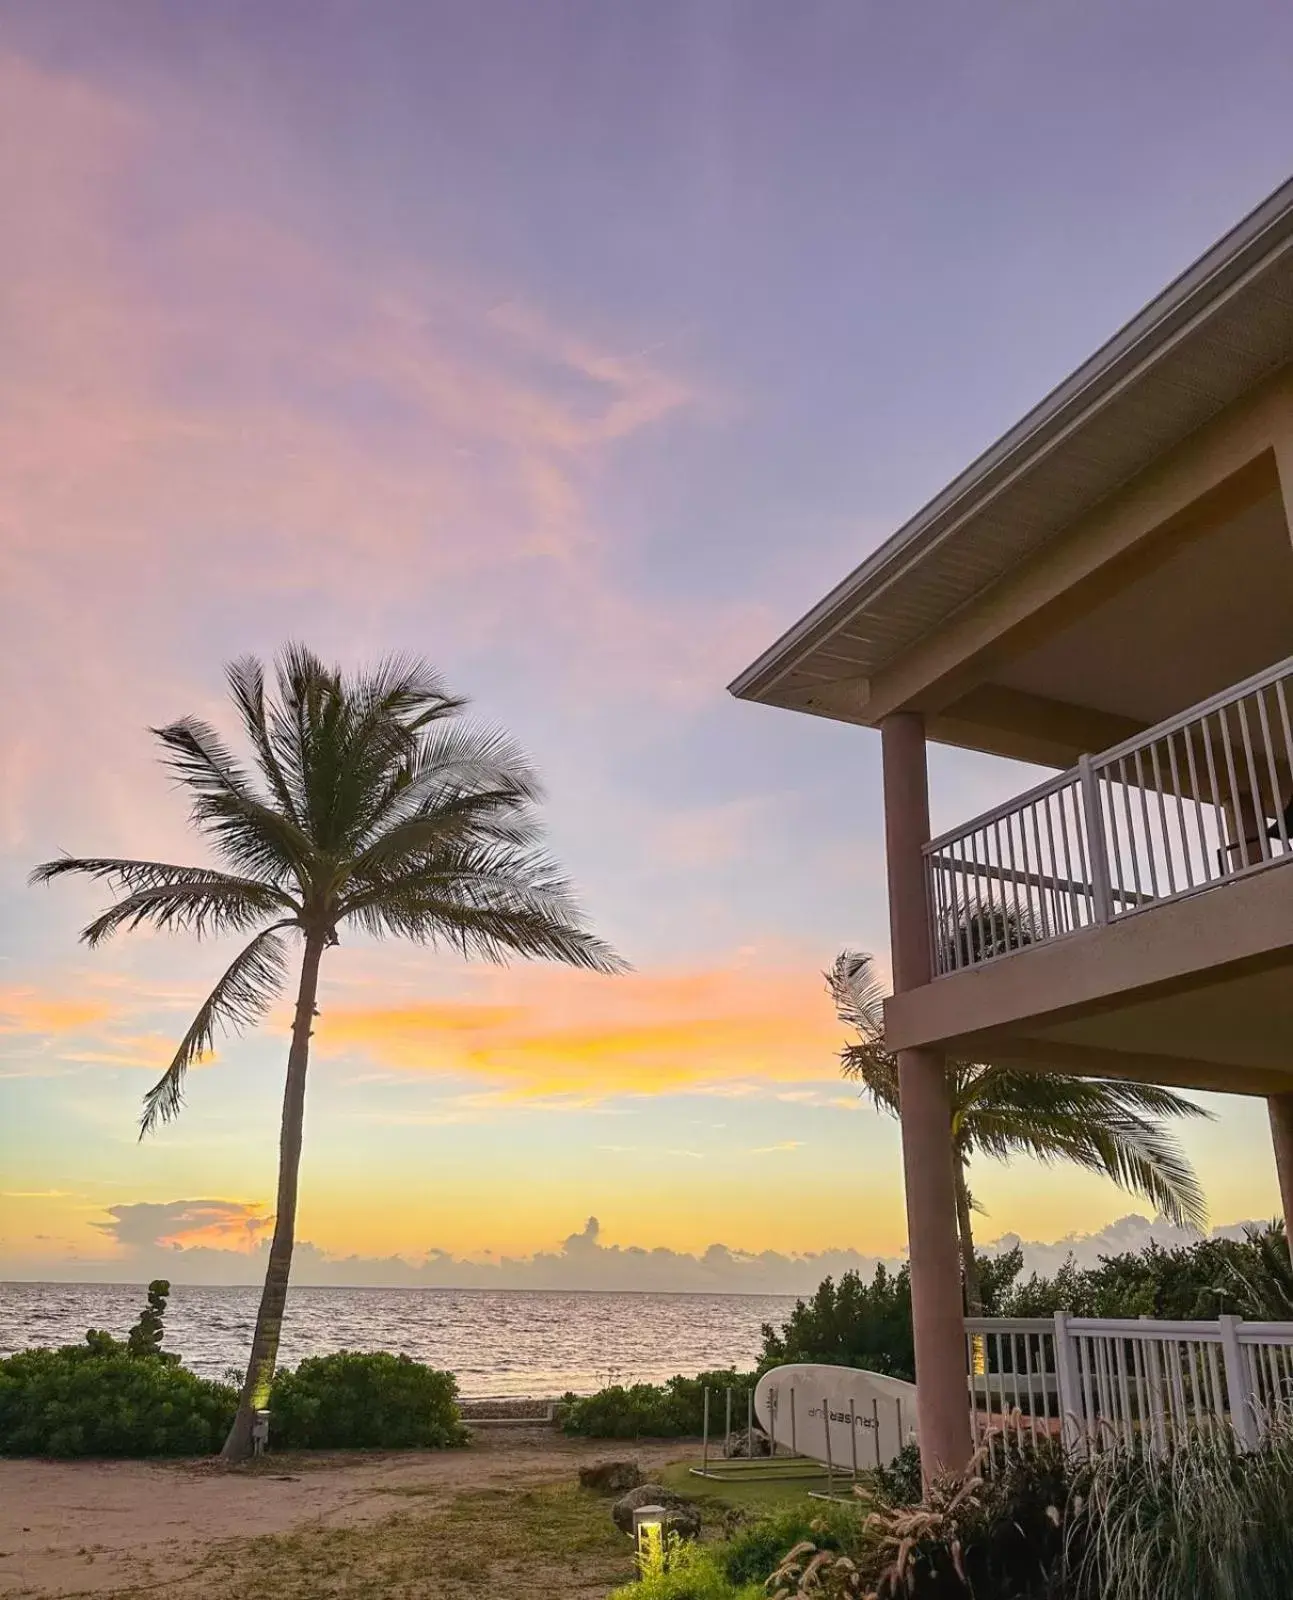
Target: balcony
1201	799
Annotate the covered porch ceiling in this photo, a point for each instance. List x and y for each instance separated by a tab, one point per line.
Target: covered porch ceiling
1197	612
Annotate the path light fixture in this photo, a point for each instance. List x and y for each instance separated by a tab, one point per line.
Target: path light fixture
260	1433
650	1529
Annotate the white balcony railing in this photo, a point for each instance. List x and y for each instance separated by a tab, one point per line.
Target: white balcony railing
1096	1381
1197	800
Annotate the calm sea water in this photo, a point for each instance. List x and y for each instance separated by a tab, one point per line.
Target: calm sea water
498	1342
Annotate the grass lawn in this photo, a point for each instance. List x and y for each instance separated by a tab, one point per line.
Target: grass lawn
555	1541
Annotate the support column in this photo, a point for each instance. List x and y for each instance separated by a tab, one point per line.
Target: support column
1280	1107
937	1314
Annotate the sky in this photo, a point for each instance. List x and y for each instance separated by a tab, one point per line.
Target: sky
578	348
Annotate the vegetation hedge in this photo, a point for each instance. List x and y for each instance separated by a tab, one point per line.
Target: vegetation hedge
364	1399
97	1399
671	1410
109	1397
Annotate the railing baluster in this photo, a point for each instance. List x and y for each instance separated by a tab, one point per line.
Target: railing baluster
1162	819
1124	1393
1214	1379
1050	927
1268	745
1198	803
1235	812
1255	783
1180	810
1150	863
1218	805
1131	827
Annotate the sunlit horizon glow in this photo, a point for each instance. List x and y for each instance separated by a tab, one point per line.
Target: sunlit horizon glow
578	351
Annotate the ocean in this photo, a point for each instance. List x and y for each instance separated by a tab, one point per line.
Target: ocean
498	1342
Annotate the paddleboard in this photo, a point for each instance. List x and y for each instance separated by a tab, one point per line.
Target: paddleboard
838	1414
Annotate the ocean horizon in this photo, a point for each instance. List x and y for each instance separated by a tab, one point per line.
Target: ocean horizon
497	1342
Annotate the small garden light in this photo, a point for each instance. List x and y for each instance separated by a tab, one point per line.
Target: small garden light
260	1433
649	1530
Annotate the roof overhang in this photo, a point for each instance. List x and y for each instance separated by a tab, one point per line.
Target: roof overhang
1211	337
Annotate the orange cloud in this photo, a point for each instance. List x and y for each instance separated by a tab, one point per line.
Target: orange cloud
76	1030
25	1011
566	1033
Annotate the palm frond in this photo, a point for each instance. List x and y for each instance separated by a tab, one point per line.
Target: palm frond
488	901
1109	1126
202	908
858	994
130	875
1072	1119
453	764
198	899
246	680
247	989
978	929
244	826
1146	1160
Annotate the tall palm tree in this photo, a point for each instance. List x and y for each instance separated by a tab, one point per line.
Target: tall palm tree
370	805
1105	1125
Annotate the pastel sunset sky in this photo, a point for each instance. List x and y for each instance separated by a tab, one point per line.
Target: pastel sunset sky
578	347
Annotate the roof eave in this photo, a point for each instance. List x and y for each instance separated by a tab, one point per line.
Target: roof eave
1262	234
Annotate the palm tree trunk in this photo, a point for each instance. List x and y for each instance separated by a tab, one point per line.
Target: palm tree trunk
965	1228
269	1318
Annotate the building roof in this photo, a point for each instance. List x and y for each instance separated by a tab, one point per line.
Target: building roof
1210	336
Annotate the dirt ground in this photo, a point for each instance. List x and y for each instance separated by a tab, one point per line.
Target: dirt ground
126	1527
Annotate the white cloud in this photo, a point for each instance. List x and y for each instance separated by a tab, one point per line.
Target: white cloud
224	1242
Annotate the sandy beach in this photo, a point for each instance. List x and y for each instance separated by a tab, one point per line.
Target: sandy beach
126	1528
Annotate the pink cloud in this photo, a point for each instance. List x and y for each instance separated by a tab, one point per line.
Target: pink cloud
222	412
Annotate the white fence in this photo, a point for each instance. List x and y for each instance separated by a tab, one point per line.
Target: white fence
1096	1381
1198	799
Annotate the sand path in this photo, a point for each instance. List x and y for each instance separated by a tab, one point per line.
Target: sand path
97	1527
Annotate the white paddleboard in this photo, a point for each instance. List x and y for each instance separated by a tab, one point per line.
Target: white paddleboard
836	1414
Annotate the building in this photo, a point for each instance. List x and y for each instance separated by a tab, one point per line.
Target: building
1107	591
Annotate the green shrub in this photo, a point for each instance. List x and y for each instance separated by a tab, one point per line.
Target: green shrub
850	1324
692	1574
97	1399
671	1410
756	1550
998	1534
901	1482
364	1399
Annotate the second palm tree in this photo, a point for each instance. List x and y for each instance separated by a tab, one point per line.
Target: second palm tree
1106	1125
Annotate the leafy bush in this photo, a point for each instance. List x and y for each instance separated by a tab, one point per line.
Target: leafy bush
97	1399
901	1482
850	1324
756	1550
107	1397
999	1534
364	1399
671	1410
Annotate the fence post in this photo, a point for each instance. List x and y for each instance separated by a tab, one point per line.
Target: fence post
1101	888
1243	1414
1071	1429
